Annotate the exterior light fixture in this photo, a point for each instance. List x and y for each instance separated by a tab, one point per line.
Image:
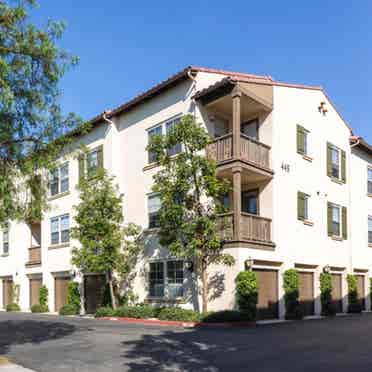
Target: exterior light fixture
249	263
189	265
327	269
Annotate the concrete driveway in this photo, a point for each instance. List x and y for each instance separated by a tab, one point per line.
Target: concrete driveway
48	343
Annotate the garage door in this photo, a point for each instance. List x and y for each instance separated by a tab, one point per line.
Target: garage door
267	306
35	284
60	291
7	291
337	292
94	288
361	291
306	292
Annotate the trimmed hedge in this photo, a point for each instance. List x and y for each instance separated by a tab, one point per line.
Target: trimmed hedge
104	311
328	308
354	305
73	298
37	308
137	311
293	309
69	309
177	313
247	293
13	307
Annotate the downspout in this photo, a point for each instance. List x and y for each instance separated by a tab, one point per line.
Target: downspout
193	86
105	118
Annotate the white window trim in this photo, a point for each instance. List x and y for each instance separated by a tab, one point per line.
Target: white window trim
339	162
59	230
333	205
58	168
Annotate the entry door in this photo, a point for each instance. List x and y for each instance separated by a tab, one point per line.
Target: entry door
361	291
35	284
250	201
337	292
306	292
60	291
250	128
267	306
7	291
94	289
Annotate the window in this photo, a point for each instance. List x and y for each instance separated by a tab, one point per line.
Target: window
166	279
302	206
369	230
250	129
250	201
176	149
369	186
6	239
59	180
302	140
91	162
337	221
336	163
60	229
157	131
153	205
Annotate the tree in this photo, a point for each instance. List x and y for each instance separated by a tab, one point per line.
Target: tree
190	194
31	65
106	246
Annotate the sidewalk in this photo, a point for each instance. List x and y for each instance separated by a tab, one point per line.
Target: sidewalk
7	366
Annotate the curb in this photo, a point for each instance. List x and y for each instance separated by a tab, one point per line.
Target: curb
176	323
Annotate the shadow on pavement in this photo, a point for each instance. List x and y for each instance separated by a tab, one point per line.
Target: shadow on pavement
21	332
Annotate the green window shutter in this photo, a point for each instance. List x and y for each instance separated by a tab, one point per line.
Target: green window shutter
100	157
300	205
329	159
329	219
344	223
81	160
343	166
300	139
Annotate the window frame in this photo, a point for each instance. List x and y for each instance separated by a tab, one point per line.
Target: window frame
369	231
5	242
334	148
59	180
305	132
59	231
166	281
155	214
339	207
306	198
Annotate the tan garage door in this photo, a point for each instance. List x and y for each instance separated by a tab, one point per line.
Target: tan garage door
267	306
35	284
61	285
7	291
306	292
361	291
337	292
94	289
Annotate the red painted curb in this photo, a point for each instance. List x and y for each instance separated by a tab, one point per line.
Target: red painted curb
176	323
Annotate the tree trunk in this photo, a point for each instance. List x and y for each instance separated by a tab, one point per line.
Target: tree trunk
204	279
111	287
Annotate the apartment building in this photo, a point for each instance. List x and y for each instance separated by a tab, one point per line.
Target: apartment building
301	195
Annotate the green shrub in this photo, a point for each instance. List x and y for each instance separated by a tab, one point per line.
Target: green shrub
73	298
227	316
141	311
104	312
326	294
293	309
43	296
69	309
354	304
13	307
247	293
177	313
37	308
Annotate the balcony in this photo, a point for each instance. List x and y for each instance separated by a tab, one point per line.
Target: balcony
250	228
34	256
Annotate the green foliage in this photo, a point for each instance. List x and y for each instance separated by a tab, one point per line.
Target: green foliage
190	194
37	308
73	298
31	66
15	292
177	313
326	294
43	296
103	312
354	305
105	245
247	293
69	309
138	311
291	294
13	307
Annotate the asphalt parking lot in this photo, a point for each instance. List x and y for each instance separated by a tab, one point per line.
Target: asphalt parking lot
49	343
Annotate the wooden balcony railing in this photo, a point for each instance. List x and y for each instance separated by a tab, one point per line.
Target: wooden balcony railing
221	149
34	256
254	151
252	227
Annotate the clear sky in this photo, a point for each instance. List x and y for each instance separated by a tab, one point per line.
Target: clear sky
125	47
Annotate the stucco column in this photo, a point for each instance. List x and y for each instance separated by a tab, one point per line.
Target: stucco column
236	114
237	200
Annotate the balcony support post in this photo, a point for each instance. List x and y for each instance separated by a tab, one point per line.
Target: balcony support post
237	200
236	96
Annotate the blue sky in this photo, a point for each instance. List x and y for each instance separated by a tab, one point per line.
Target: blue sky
126	47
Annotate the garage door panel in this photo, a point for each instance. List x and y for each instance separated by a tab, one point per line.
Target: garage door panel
35	285
7	291
306	292
267	306
361	290
337	292
60	292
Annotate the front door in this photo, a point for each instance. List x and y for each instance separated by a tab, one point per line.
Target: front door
94	289
250	202
250	129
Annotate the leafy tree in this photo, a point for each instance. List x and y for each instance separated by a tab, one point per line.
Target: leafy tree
31	65
106	247
190	195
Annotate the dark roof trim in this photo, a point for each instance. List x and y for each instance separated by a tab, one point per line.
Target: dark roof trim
361	144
